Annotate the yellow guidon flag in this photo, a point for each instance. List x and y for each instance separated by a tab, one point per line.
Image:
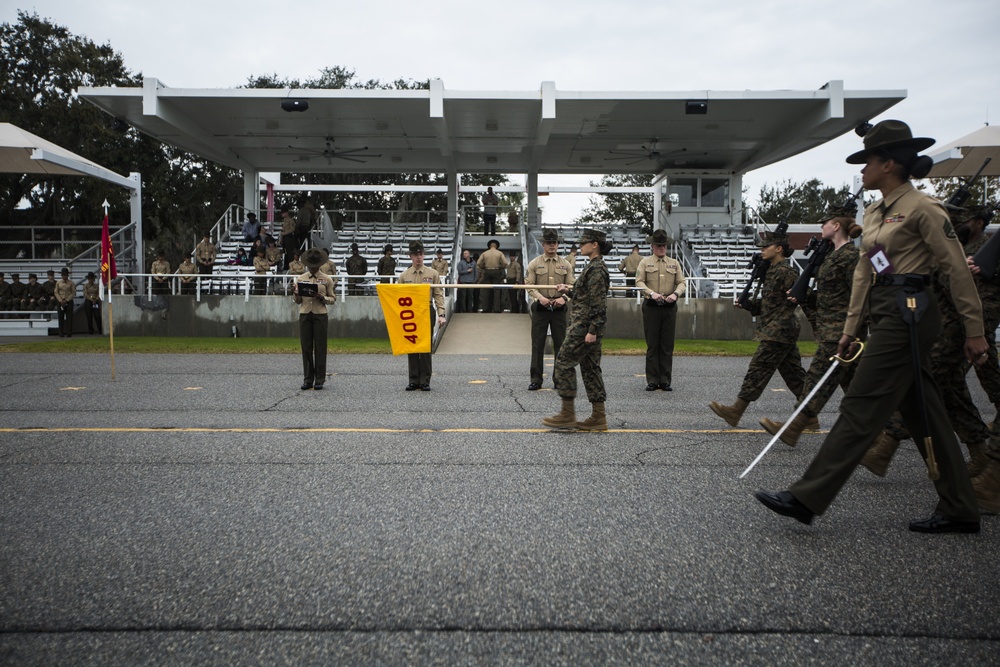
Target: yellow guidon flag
407	312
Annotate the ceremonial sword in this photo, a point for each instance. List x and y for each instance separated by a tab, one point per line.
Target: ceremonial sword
837	360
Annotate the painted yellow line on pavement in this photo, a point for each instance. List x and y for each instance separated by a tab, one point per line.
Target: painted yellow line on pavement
176	429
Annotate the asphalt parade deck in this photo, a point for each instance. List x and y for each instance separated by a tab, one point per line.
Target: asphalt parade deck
203	510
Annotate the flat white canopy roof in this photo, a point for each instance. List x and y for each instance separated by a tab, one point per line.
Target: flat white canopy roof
445	131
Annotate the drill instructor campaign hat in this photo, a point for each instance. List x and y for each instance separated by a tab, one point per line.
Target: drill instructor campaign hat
886	135
659	237
313	258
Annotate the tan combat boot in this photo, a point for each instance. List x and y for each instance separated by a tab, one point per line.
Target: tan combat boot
812	424
987	488
791	435
880	454
597	421
731	413
566	418
977	459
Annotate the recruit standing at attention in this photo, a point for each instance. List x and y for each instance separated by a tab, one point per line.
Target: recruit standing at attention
582	346
548	307
906	234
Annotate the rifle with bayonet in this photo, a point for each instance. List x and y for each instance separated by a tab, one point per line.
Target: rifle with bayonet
759	269
819	249
988	256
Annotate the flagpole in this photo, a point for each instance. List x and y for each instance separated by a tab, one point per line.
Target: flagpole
106	255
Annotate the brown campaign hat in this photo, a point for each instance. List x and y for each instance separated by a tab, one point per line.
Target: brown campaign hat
313	258
889	134
493	243
550	236
659	237
416	247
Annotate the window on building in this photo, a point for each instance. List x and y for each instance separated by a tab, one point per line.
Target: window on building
697	192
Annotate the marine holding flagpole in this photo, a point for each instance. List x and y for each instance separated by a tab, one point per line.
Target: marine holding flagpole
419	363
906	233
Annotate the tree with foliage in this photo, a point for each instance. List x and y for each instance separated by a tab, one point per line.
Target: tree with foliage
41	66
811	200
985	191
620	208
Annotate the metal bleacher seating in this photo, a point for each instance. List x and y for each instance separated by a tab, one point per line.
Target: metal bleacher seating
723	254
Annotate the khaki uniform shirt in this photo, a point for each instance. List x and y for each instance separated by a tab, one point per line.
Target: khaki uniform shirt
630	265
188	269
160	267
514	272
544	270
262	266
295	267
326	290
204	252
65	291
422	276
287	225
918	237
491	260
440	265
274	253
91	292
662	275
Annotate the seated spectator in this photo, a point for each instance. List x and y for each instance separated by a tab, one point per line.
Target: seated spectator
239	259
35	294
18	292
261	267
48	301
251	228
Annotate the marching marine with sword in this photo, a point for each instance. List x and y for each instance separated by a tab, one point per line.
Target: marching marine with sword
906	234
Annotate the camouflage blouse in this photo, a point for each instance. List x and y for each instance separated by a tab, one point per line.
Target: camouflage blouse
776	319
826	308
589	305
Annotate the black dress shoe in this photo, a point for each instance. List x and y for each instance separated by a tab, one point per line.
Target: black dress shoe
534	386
319	386
425	387
939	523
785	504
665	387
306	385
652	386
412	386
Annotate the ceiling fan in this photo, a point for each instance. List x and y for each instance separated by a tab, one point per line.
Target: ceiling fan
331	153
650	152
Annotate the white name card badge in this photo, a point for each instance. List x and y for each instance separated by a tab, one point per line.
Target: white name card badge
880	262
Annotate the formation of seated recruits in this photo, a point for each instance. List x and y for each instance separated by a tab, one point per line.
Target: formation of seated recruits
29	296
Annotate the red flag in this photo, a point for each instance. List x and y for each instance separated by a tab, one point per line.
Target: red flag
108	269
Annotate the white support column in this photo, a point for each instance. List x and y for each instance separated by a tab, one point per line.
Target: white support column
135	213
452	200
531	182
251	191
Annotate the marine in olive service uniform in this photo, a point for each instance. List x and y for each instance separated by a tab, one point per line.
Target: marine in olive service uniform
664	278
546	270
419	365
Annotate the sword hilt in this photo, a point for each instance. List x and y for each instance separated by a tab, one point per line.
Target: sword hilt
858	346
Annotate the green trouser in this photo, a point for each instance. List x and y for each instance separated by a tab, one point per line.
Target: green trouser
773	356
821	363
312	337
989	373
883	383
542	319
658	324
576	351
418	365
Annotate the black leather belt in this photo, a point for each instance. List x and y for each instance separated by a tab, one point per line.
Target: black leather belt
901	280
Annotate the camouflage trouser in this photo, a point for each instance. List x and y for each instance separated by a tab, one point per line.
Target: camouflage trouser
820	365
769	357
948	370
989	373
572	352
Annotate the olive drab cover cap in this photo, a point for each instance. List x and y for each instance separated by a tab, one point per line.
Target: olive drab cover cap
770	238
592	235
889	134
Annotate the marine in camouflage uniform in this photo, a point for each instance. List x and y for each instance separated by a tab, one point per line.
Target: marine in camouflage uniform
777	331
588	318
989	295
356	266
826	309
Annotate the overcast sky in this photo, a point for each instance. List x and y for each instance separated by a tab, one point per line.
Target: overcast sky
946	55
